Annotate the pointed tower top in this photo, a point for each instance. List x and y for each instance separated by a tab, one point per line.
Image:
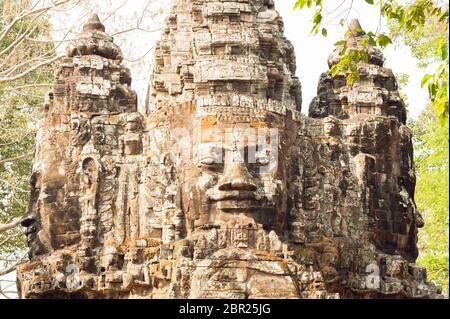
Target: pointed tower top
94	24
100	43
354	33
354	40
355	28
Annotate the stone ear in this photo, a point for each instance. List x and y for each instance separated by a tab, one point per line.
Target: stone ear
27	221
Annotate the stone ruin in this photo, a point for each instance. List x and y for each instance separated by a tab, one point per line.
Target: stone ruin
184	201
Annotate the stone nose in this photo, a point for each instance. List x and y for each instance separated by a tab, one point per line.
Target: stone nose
236	177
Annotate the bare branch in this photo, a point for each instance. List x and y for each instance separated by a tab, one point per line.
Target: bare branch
18	76
5	227
13	267
4	295
335	9
34	85
28	13
18	39
115	10
8	57
17	189
15	159
134	29
135	60
18	65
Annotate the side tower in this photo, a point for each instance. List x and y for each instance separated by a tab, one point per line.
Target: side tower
374	118
89	132
359	180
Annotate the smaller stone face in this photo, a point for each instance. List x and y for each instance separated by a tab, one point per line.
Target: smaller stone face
374	94
90	111
224	53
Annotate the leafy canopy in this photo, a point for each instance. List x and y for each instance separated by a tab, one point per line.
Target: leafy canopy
411	19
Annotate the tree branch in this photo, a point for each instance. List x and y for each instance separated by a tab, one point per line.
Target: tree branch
23	15
35	85
14	223
15	159
18	76
13	267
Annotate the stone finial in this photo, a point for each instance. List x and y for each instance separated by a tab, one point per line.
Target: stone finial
94	24
355	28
354	40
383	98
354	33
93	39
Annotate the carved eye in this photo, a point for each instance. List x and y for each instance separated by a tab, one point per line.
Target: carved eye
207	161
263	160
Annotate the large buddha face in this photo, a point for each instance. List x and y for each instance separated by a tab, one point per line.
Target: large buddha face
234	168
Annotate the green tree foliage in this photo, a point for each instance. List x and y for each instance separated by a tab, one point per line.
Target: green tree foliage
22	87
429	44
413	20
432	197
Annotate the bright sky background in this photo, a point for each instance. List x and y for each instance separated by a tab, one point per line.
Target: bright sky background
311	51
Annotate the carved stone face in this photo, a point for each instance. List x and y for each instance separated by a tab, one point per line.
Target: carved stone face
234	169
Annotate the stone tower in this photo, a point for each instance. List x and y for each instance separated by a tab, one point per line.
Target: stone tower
223	188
